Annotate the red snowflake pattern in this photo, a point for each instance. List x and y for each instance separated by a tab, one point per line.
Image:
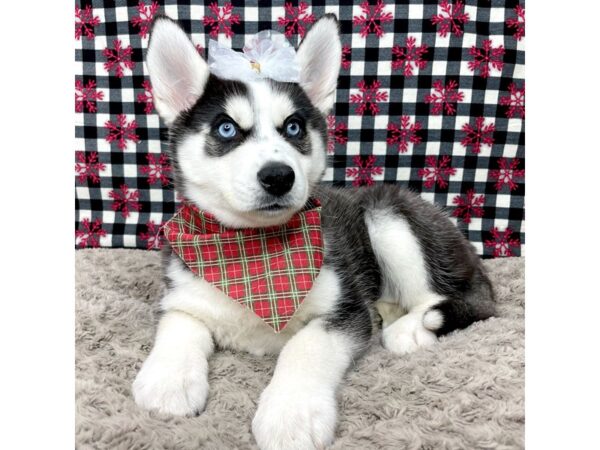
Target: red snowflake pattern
125	200
222	21
485	58
336	132
85	22
452	18
296	19
157	170
86	96
346	54
469	206
409	57
369	97
90	234
444	98
144	20
364	170
146	97
518	23
152	236
507	173
122	131
515	101
478	135
118	58
88	167
403	134
502	242
438	171
372	19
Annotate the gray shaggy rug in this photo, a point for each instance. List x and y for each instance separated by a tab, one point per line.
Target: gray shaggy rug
464	393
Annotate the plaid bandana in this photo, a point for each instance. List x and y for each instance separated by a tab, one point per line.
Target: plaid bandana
268	270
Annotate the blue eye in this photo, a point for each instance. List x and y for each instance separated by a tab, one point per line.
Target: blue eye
227	130
293	129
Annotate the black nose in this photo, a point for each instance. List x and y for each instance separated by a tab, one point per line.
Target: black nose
277	179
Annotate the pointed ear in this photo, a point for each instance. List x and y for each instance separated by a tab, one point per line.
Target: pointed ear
319	56
177	71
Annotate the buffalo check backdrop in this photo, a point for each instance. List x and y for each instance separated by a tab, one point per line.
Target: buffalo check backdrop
431	95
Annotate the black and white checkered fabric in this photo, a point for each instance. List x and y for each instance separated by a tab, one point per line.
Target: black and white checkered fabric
120	138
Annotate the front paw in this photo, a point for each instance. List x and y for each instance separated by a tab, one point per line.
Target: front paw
295	419
171	387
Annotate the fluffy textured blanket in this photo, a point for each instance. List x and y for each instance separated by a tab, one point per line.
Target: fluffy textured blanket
464	393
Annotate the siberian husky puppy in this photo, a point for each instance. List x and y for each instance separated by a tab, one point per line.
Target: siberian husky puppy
251	154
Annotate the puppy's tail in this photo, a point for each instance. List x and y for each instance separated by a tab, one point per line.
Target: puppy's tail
476	303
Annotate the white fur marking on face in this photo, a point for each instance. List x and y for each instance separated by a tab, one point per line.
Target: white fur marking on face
318	157
240	110
271	109
227	185
281	109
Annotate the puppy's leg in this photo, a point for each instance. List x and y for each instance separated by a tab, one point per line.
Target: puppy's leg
406	281
174	377
433	317
298	409
409	279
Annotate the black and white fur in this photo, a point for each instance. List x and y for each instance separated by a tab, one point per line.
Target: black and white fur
385	247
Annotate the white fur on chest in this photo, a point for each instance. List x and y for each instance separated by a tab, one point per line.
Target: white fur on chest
235	326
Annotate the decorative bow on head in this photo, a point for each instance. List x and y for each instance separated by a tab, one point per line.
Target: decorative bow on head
267	55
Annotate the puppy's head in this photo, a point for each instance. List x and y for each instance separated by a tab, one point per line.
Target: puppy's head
247	152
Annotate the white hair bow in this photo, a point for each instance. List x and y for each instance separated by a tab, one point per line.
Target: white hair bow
267	55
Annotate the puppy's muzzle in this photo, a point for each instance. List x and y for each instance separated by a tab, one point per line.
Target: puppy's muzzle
276	178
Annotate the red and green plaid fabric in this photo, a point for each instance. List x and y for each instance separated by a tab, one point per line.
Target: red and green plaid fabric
268	270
